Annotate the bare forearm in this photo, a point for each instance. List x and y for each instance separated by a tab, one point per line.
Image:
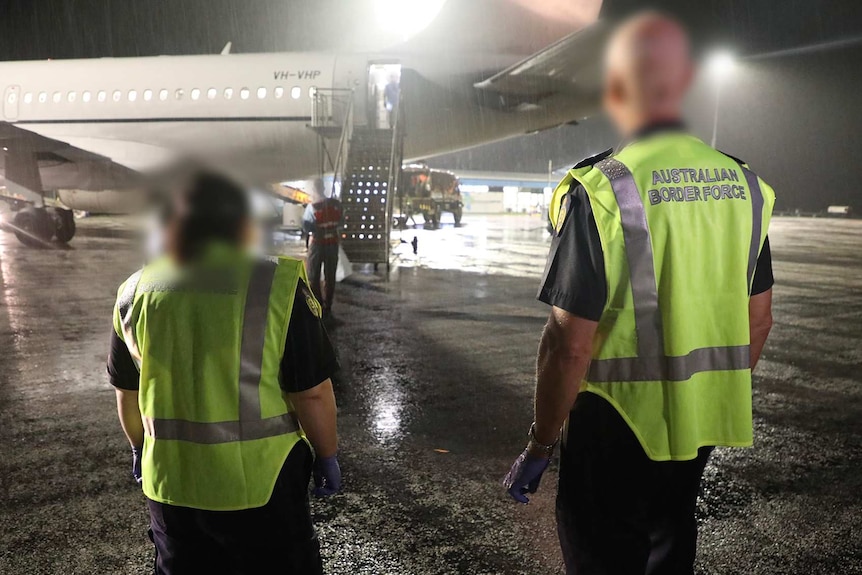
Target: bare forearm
317	411
758	341
760	322
558	377
130	416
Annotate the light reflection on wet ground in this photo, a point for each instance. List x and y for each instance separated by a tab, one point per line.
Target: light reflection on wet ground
434	400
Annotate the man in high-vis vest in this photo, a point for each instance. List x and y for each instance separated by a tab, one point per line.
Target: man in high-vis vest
660	279
222	370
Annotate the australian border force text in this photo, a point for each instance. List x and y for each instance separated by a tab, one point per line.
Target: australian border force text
714	184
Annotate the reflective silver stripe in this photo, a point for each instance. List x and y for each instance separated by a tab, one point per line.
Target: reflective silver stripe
756	222
221	431
670	368
253	337
125	305
638	246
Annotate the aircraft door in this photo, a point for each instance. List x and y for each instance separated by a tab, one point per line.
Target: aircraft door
10	102
384	92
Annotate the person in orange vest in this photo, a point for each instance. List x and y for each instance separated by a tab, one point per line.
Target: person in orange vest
323	217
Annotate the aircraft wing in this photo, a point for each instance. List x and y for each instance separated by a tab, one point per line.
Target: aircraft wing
572	65
60	164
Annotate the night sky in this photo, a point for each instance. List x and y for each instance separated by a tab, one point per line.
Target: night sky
795	118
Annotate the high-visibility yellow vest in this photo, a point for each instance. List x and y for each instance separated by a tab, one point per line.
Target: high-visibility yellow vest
208	339
681	227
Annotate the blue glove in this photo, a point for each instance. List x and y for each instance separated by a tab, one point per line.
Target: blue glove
136	463
524	476
327	476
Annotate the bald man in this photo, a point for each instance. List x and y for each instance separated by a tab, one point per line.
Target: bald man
660	279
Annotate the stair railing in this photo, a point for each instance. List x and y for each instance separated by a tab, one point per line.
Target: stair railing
396	154
333	108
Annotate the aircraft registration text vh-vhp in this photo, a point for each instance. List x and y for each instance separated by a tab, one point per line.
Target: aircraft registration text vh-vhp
298	74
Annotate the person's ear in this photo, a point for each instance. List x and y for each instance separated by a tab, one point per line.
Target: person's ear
614	94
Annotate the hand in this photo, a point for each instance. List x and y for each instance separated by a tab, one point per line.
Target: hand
524	476
327	476
136	463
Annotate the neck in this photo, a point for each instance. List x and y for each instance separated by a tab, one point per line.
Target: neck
641	122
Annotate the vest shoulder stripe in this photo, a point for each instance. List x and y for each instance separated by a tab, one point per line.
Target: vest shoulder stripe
756	195
639	254
253	338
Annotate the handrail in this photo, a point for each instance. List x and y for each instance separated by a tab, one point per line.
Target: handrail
325	104
396	152
343	146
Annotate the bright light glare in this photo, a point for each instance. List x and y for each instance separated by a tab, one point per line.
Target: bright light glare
407	17
721	63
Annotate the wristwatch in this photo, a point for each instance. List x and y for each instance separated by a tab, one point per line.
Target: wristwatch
539	446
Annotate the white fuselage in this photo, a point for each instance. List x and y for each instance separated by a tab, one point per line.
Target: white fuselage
247	112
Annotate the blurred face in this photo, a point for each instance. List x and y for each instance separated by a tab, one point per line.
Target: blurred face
647	72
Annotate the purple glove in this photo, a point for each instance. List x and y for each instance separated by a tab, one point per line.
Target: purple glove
136	464
327	476
524	476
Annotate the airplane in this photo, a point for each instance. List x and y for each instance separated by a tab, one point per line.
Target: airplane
85	131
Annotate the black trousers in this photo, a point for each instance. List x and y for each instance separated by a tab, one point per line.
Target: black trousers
325	255
275	538
619	512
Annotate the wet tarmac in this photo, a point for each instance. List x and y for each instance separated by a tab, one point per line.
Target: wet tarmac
434	402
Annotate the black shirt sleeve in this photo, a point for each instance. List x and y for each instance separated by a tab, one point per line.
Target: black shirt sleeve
122	371
309	358
574	278
763	279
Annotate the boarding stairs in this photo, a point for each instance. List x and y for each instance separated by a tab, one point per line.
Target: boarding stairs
367	163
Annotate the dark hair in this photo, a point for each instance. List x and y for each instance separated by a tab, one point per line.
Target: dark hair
210	208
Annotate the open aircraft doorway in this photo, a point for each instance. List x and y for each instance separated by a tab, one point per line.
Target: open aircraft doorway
384	92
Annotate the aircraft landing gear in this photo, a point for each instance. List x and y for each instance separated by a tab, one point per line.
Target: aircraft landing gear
37	226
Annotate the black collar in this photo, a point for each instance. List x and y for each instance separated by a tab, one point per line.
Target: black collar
651	129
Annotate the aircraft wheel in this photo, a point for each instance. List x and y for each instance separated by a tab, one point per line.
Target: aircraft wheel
64	225
34	227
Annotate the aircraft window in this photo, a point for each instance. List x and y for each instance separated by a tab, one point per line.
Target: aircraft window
102	96
28	98
71	96
261	93
57	97
43	97
179	94
211	93
228	93
196	93
244	93
12	98
117	95
163	94
86	96
148	95
295	92
278	92
312	91
133	95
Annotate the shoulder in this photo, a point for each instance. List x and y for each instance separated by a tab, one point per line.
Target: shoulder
129	285
593	160
734	158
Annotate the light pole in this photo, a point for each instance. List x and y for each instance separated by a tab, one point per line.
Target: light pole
720	65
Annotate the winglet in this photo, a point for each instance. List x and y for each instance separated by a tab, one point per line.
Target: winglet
226	50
